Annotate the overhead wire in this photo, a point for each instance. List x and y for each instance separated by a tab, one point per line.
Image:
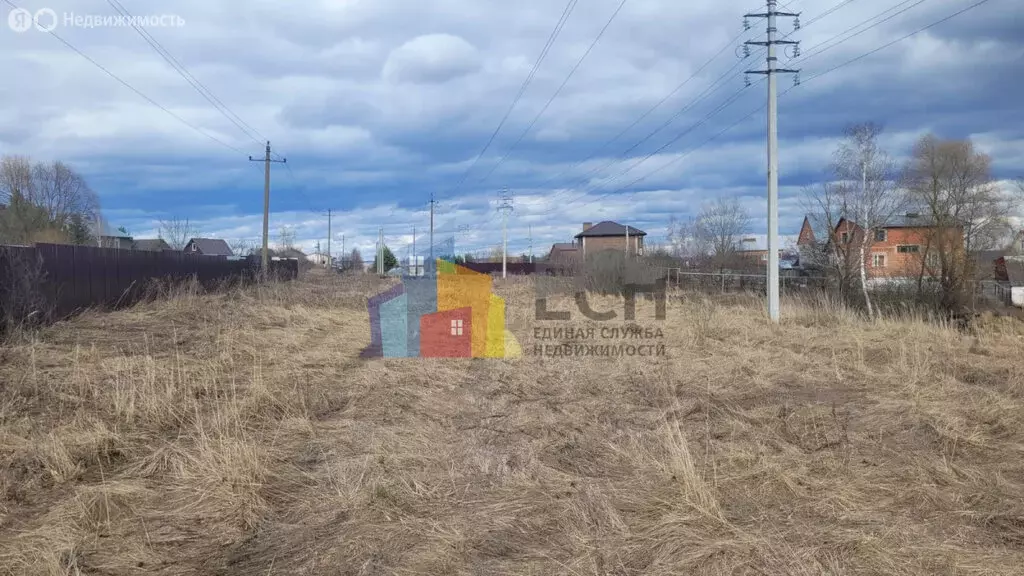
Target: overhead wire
707	92
748	115
188	76
784	92
547	104
134	89
566	12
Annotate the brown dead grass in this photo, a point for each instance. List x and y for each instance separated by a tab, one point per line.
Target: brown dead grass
240	434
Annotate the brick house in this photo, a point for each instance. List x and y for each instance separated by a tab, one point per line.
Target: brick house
898	250
610	235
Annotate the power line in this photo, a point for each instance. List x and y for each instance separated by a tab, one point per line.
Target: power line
559	90
566	12
783	93
812	51
710	89
134	89
184	73
646	113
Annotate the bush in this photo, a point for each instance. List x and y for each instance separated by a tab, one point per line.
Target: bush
610	271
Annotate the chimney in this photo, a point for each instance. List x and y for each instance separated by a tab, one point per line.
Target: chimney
587	225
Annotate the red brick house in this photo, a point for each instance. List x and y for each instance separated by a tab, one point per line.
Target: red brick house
898	250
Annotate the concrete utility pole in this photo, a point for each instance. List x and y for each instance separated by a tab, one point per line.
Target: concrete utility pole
330	261
531	244
504	206
432	202
773	141
380	252
265	260
627	241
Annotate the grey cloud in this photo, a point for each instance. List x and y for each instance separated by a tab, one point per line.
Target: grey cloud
431	59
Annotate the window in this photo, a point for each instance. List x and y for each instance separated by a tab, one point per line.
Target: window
845	237
932	260
878	260
881	235
457	327
908	249
764	257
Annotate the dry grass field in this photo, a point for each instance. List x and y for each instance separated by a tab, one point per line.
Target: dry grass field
240	434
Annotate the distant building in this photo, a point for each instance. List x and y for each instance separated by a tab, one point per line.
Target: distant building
610	235
563	254
151	245
898	250
208	247
119	242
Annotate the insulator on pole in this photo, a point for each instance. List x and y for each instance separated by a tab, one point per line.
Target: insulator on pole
796	79
746	24
746	51
796	23
796	51
746	80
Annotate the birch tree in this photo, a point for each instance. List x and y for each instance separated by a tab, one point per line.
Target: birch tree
868	183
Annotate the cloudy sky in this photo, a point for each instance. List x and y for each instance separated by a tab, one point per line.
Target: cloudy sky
377	104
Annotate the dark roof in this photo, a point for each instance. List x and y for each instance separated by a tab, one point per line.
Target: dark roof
152	244
559	247
910	220
989	256
609	228
1015	271
212	246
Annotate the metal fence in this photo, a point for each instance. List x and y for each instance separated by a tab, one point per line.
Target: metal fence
56	280
735	281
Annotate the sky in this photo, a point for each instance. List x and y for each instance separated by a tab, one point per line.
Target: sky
379	105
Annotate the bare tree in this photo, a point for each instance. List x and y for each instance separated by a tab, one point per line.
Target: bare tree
826	206
719	227
684	243
46	202
176	232
952	184
868	182
62	191
15	179
355	261
243	247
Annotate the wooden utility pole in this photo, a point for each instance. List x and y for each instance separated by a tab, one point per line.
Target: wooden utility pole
330	261
265	260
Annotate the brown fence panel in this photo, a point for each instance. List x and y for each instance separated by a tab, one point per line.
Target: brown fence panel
78	277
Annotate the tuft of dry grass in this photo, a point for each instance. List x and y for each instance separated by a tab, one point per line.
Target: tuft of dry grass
239	433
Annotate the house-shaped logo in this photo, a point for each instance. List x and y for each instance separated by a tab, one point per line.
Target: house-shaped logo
453	315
